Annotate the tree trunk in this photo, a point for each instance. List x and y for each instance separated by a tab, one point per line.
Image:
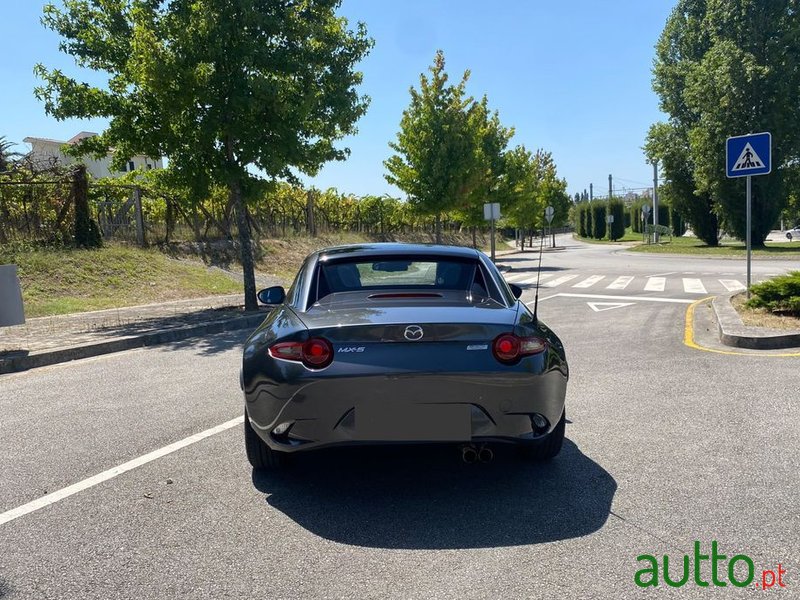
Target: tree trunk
245	241
86	232
438	228
474	236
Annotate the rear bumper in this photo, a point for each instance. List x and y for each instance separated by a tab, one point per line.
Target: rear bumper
436	407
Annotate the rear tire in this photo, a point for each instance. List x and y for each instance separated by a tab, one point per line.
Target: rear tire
261	456
548	447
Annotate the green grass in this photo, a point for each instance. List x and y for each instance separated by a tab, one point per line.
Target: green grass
685	245
60	281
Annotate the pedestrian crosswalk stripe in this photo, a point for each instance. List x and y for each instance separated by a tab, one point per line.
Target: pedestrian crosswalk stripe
732	285
589	281
535	278
620	283
655	284
693	286
559	280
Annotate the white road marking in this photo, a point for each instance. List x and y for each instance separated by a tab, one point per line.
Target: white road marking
655	284
601	306
620	283
516	277
589	281
732	285
559	280
660	274
73	489
693	286
634	298
541	299
532	280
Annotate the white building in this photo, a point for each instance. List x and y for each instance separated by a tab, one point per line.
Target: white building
45	152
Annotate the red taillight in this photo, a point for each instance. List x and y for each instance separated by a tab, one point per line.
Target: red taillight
315	353
509	348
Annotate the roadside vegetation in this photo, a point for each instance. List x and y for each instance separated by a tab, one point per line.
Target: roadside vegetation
67	280
60	280
694	246
780	295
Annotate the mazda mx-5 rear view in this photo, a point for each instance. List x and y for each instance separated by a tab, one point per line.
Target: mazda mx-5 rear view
400	343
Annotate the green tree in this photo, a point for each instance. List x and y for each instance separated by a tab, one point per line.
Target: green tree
616	209
669	144
437	157
221	87
492	140
727	68
7	156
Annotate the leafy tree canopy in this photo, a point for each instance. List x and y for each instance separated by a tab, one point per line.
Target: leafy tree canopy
221	87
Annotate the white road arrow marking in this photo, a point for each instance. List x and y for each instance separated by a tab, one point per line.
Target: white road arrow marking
601	306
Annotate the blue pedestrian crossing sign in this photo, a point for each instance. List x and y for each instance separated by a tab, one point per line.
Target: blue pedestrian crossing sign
748	154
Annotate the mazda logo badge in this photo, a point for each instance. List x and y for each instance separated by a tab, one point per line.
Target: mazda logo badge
413	333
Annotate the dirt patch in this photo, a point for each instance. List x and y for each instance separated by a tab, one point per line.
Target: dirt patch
759	317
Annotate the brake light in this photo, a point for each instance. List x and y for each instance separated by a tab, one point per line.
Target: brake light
509	348
314	353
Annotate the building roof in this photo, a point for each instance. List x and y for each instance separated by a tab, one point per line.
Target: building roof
81	136
73	140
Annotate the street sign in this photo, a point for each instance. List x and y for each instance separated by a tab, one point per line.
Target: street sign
748	154
491	211
548	214
610	219
745	156
646	210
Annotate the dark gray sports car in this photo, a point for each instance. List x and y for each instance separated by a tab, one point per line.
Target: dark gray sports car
399	343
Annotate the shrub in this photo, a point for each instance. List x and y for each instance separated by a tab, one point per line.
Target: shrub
778	295
598	220
617	210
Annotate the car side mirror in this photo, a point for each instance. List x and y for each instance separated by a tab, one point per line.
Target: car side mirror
516	290
272	295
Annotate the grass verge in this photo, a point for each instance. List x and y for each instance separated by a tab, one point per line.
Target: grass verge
60	281
694	246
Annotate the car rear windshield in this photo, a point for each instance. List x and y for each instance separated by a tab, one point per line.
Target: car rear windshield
398	273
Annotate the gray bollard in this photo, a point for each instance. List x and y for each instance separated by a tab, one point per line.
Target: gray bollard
11	310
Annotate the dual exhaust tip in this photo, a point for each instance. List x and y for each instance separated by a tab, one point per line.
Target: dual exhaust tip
471	455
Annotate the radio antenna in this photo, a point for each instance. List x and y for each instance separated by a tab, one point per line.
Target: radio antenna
538	276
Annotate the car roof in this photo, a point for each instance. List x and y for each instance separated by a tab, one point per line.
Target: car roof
394	248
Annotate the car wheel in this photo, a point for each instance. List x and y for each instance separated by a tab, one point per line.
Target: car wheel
548	447
789	235
261	456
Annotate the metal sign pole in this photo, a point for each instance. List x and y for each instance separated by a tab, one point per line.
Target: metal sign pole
749	247
493	238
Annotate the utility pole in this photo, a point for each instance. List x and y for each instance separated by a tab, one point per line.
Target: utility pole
591	192
610	192
655	199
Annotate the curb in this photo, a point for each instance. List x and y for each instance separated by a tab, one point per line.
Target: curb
732	332
15	364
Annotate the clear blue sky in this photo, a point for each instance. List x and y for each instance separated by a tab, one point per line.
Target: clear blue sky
572	77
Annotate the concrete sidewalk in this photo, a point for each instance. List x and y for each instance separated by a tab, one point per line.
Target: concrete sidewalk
50	340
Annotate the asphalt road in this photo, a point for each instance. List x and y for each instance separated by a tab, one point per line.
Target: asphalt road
666	445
